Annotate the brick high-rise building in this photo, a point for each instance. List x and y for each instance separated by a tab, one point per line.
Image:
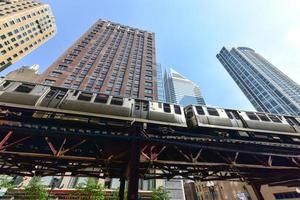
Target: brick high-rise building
109	58
24	25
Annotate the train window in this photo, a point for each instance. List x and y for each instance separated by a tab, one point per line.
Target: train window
274	118
101	98
263	117
177	109
145	106
236	115
200	110
61	95
212	111
6	84
51	93
229	114
85	96
25	88
167	108
137	106
292	121
252	116
117	101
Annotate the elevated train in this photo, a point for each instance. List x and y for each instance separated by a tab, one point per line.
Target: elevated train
192	116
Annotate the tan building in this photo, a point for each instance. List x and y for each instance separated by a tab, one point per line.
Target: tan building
24	25
25	73
232	190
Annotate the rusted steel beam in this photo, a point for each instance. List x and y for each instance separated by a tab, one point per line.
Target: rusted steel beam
54	151
64	151
15	142
4	140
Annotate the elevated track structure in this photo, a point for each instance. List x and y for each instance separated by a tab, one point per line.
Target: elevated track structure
48	142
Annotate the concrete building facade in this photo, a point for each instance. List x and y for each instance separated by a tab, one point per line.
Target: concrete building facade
109	58
266	87
24	25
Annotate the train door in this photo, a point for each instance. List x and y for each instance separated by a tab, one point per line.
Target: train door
235	118
141	109
53	98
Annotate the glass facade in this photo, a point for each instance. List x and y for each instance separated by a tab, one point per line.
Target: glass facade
160	84
181	90
266	87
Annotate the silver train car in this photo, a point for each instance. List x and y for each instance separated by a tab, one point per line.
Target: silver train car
192	116
204	116
86	102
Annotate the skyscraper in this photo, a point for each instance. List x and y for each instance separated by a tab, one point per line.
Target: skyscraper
181	90
266	87
24	25
160	84
109	58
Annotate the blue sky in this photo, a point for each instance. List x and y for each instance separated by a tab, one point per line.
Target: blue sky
189	34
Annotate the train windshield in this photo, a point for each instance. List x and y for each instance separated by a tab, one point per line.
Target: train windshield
25	88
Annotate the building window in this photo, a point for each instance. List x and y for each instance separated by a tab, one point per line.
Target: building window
148	91
148	84
55	74
62	67
49	82
67	61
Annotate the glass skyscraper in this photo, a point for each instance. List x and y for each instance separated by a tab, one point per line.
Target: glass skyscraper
267	88
181	90
160	84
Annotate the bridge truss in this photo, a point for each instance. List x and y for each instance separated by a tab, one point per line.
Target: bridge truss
44	143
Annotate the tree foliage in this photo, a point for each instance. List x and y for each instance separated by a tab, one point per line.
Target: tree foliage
160	194
6	182
35	190
115	195
91	190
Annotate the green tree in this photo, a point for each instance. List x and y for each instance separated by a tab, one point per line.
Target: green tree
90	190
115	195
6	182
160	194
35	190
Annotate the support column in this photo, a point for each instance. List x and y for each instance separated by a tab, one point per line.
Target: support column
256	189
133	167
122	188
